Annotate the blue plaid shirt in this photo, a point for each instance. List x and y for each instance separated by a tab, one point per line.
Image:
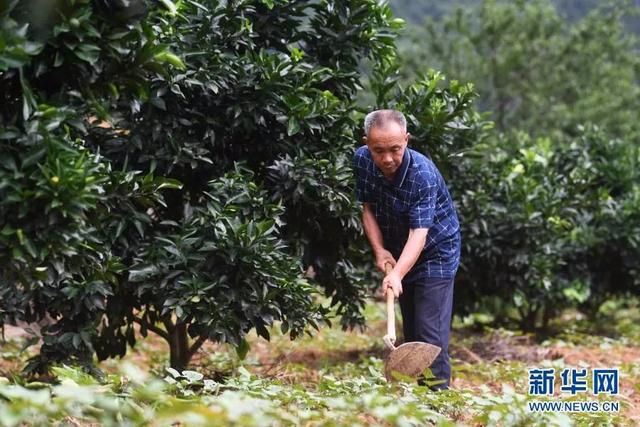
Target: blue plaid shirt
416	198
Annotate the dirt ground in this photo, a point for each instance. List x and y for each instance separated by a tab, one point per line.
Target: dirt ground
496	348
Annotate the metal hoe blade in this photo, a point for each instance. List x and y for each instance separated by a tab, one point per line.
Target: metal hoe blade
410	360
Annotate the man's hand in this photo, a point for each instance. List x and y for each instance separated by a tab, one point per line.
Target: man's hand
394	282
383	257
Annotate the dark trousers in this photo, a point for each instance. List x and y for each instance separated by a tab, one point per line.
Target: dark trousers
426	317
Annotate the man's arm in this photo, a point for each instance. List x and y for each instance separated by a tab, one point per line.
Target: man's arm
373	233
421	214
408	257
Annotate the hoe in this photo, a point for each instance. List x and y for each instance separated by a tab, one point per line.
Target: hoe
409	359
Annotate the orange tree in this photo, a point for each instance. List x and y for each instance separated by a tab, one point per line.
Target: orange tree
187	168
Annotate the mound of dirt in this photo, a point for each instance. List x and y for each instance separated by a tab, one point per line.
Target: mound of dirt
500	346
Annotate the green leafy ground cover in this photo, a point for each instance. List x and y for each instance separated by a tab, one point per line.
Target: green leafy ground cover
331	378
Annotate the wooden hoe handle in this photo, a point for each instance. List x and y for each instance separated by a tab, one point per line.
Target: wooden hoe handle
391	314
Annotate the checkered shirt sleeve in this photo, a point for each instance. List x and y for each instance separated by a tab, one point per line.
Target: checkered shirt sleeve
364	179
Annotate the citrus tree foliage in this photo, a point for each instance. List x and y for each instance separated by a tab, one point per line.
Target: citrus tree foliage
533	69
549	224
57	194
549	203
179	168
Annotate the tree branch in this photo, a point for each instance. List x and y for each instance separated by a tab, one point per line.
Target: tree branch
196	345
166	320
164	334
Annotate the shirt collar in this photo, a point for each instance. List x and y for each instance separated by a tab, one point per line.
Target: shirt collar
400	175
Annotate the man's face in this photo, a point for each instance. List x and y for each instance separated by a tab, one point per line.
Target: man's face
387	147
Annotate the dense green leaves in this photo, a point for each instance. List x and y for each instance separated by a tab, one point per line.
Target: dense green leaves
185	168
547	204
533	69
123	125
222	268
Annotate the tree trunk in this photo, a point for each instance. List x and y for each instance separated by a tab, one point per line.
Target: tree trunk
179	347
528	321
548	314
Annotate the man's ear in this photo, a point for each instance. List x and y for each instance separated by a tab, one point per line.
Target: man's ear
364	140
407	137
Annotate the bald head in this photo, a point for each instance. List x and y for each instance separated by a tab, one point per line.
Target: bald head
380	119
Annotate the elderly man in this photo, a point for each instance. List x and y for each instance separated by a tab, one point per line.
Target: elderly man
411	223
